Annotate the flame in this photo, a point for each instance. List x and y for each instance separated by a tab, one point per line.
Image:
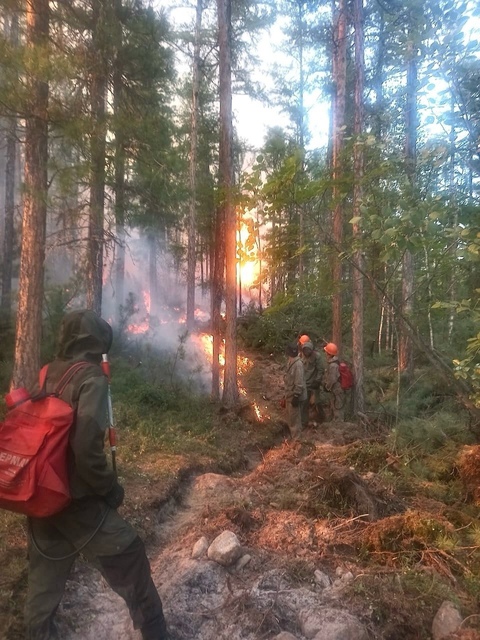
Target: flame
141	327
147	300
203	316
256	408
248	262
205	340
144	324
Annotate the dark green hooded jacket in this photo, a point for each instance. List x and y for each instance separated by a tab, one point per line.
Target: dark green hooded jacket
85	336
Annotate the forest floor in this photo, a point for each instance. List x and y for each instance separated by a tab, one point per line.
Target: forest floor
326	523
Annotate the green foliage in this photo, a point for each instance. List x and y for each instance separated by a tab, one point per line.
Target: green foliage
468	368
368	456
286	319
429	434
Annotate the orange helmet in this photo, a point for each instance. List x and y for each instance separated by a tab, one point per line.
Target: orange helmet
331	349
303	339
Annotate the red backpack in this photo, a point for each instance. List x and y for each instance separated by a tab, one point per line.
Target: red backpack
346	376
33	450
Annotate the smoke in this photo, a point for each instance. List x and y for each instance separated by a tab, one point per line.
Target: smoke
152	313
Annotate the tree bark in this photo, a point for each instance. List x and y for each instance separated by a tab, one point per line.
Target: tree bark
358	165
339	99
192	217
230	386
10	175
29	312
119	171
218	272
98	90
405	352
152	274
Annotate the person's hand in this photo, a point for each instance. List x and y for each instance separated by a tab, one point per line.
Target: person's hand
295	401
114	498
283	402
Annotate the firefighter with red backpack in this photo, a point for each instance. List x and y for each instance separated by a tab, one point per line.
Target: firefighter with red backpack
332	382
90	524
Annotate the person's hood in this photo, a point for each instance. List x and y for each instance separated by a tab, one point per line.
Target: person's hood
84	335
307	345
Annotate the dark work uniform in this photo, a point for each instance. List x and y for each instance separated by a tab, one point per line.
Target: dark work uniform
314	366
295	386
89	525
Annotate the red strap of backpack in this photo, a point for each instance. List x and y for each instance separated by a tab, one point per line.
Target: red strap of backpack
65	379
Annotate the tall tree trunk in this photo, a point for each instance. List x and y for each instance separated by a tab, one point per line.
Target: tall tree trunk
301	125
97	148
119	171
454	206
405	352
230	387
153	274
339	98
358	164
30	298
10	175
218	272
192	218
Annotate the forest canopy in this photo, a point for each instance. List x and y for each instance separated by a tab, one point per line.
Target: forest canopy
126	188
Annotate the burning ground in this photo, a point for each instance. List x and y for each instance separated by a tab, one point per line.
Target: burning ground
332	529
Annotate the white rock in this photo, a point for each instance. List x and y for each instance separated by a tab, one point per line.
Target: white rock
327	623
446	621
347	577
225	549
321	578
200	548
244	560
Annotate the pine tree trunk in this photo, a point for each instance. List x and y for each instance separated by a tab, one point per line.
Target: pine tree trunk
218	273
192	218
358	164
119	171
97	148
230	387
8	236
31	286
10	175
339	81
152	274
405	353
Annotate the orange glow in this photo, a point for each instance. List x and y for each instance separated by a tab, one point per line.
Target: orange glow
203	316
205	341
144	325
141	327
258	413
248	263
146	300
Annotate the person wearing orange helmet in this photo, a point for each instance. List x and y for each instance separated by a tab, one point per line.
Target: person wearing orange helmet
314	365
295	390
303	339
331	382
